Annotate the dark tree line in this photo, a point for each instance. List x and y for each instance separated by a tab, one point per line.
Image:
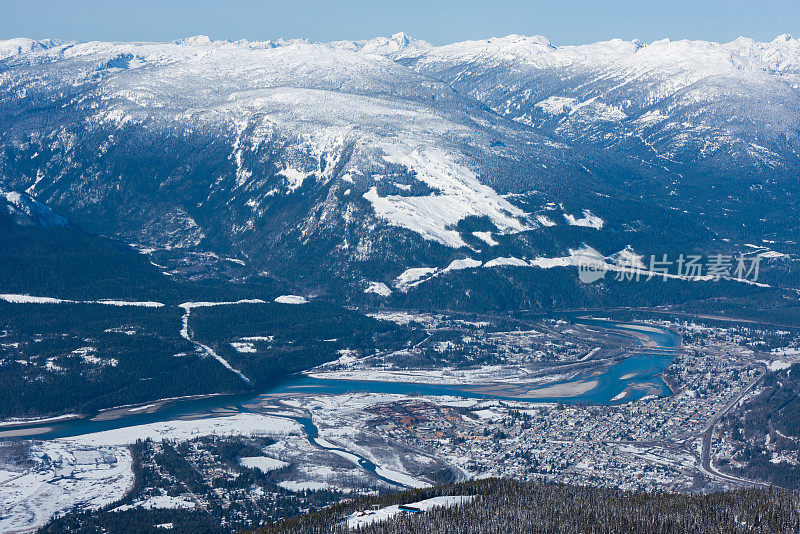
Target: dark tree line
506	506
773	413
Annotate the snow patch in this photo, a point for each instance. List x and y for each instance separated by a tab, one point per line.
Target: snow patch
30	299
295	178
190	305
486	237
293	485
291	299
507	262
160	502
364	518
556	105
67	476
545	221
412	276
243	424
458	265
264	464
459	194
779	365
588	220
378	288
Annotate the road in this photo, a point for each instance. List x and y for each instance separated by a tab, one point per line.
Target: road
683	441
708	435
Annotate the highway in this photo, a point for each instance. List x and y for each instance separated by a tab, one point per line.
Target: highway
708	435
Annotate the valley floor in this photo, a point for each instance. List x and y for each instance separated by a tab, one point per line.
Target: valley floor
298	448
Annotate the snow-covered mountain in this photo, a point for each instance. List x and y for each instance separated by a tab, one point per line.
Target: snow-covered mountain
341	166
682	101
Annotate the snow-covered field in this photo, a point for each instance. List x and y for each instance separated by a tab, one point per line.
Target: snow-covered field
364	518
241	346
30	299
243	424
190	305
90	471
379	288
459	194
588	220
159	502
622	263
778	365
293	485
444	376
262	463
291	299
69	476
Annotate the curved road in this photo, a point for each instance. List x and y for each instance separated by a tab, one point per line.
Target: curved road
705	454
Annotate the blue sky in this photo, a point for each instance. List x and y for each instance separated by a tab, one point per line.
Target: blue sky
562	21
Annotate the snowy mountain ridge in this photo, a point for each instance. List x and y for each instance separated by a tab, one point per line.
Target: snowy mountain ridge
781	55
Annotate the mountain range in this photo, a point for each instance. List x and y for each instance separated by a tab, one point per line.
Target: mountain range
395	172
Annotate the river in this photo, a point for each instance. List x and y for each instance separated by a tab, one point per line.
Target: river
633	378
636	376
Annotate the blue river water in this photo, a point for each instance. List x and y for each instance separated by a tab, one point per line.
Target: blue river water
638	374
630	379
312	433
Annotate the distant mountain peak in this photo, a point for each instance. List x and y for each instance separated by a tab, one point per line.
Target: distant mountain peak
195	40
401	37
398	45
22	45
514	38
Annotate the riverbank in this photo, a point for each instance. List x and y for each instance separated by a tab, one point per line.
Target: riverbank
640	374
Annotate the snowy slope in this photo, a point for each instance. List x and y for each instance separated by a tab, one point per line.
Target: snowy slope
23	45
678	100
246	143
21	209
347	164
